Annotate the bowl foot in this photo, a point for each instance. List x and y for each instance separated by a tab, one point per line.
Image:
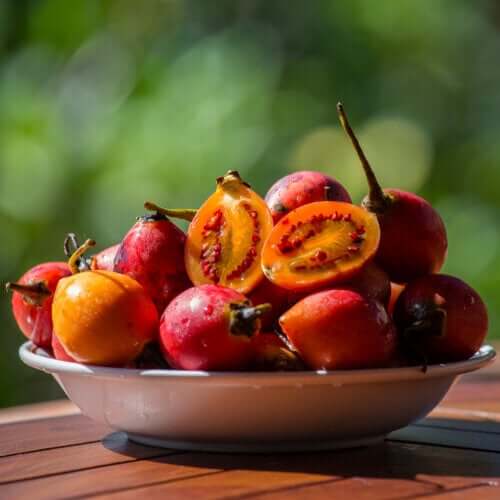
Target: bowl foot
256	447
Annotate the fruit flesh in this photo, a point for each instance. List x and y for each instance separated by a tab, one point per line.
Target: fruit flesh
226	236
340	329
152	253
195	331
318	244
103	318
301	188
33	316
440	318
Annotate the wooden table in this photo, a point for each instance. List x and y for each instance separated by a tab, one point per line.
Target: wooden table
51	451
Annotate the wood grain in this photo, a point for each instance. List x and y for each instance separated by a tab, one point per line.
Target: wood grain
414	469
114	449
37	411
49	433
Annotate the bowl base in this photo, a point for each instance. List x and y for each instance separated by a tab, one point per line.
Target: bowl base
256	447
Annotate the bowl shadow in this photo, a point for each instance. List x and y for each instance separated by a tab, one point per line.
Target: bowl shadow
431	464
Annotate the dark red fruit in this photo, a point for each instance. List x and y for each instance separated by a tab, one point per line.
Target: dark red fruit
58	350
152	253
440	318
413	239
209	327
301	188
272	354
371	282
340	329
104	260
32	300
279	298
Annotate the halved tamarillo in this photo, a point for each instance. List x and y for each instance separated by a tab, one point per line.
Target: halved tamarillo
320	243
225	238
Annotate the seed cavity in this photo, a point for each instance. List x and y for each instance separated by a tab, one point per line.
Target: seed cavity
323	257
252	252
211	246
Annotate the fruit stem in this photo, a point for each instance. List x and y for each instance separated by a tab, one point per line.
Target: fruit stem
178	213
75	257
70	244
378	201
243	317
35	292
231	178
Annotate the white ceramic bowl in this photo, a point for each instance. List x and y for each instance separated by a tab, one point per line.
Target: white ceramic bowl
254	412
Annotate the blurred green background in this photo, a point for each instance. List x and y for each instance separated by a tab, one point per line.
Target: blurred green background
104	104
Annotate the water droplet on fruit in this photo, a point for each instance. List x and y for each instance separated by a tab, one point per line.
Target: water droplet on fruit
208	309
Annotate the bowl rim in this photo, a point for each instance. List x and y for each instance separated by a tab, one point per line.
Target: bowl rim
40	359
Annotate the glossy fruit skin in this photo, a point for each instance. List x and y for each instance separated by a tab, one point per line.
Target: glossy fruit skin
58	350
104	260
413	239
225	238
346	235
300	188
35	321
152	253
466	318
340	330
103	318
195	334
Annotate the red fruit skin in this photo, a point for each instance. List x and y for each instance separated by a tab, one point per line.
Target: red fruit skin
279	298
340	329
194	331
35	321
466	323
413	239
300	188
104	260
371	282
59	352
152	253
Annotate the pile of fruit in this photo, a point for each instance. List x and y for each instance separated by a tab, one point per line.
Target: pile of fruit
301	280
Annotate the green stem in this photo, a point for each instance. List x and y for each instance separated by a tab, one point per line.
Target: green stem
378	201
178	213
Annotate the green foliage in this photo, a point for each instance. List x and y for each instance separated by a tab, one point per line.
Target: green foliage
106	104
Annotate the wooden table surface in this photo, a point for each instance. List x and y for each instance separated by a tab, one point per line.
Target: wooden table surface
51	451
